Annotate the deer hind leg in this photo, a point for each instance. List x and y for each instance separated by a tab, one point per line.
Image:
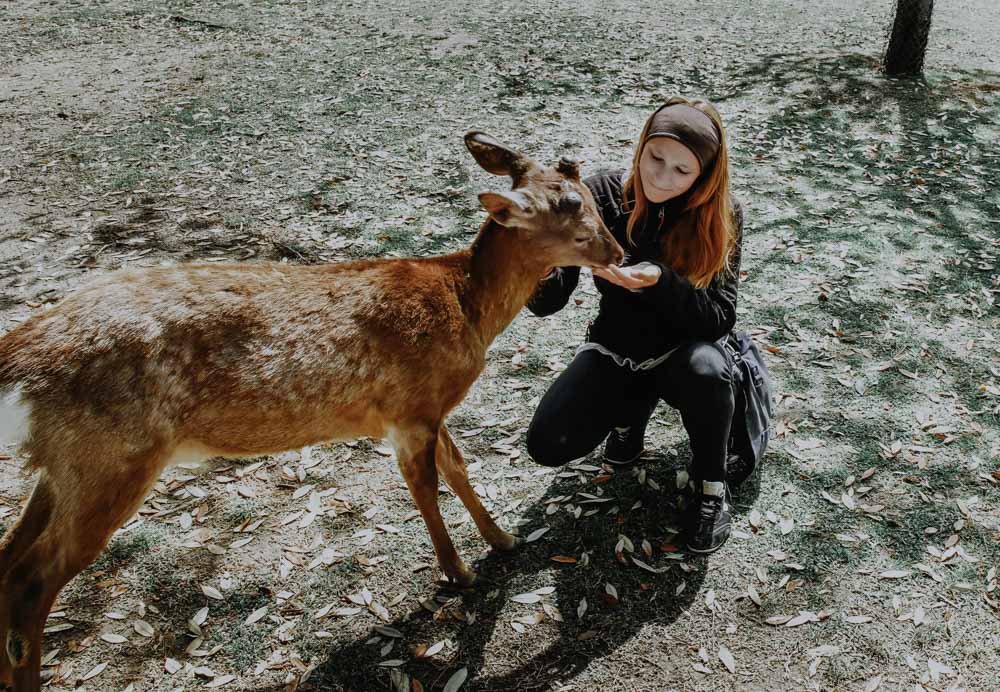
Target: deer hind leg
89	498
18	539
452	466
415	450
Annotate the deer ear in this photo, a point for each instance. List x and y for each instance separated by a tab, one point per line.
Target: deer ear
569	167
494	157
509	209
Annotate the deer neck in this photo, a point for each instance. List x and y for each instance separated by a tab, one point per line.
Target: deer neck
503	273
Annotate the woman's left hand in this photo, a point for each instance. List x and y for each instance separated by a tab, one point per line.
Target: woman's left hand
635	277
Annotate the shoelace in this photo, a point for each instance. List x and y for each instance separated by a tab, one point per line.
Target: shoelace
621	434
710	507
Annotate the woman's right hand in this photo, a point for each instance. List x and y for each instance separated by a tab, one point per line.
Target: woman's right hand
633	278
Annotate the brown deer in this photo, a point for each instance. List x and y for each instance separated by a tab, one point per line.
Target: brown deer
147	367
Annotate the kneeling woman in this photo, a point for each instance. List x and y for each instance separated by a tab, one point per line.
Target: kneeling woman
663	314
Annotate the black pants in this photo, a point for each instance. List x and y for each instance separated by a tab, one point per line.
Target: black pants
594	394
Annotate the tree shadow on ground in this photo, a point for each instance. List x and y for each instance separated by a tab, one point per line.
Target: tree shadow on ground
892	167
552	651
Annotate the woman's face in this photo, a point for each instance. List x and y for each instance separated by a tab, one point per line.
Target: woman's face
667	169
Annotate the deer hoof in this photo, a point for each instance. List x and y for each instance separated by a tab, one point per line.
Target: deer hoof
468	581
511	543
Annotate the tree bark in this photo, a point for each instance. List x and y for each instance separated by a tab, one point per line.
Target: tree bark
908	41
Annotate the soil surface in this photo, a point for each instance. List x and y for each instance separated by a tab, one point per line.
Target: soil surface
142	133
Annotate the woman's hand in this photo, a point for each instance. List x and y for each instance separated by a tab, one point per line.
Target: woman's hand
633	278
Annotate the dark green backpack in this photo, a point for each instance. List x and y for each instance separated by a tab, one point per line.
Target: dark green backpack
751	427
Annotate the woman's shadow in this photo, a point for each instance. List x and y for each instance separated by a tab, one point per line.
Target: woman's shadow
488	636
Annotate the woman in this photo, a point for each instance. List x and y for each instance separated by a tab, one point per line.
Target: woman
663	314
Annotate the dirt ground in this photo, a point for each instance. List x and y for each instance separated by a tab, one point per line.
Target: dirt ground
141	133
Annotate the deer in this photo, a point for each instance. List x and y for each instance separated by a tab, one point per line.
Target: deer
144	368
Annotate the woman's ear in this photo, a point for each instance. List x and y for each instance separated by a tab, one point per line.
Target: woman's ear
509	209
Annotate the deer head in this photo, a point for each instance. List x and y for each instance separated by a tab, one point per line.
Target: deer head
551	207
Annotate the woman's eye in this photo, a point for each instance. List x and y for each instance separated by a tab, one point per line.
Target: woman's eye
656	158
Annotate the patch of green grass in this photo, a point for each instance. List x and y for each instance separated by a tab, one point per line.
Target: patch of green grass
125	548
174	591
945	477
895	387
820	552
773	315
532	365
326	581
244	645
239	510
964	573
796	380
857	316
130	179
236	221
844	670
250	596
904	535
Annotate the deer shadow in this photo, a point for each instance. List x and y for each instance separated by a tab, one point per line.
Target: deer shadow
557	649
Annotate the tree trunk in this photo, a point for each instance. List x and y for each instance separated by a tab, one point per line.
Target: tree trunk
908	42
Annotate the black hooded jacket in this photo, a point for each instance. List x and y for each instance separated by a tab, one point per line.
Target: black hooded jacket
649	322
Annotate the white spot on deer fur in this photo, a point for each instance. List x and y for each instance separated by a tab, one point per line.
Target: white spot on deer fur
193	455
15	418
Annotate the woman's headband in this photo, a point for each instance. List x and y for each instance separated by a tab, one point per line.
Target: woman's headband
689	126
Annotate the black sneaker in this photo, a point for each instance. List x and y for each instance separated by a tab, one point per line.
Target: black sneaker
625	445
711	524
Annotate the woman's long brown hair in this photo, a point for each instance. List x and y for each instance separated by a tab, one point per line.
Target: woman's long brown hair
698	251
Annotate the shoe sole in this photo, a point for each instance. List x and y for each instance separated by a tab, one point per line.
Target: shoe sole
626	462
699	551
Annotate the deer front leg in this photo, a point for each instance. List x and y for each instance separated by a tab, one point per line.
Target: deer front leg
452	466
415	451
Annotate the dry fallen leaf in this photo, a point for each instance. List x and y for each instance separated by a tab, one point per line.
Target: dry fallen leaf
648	568
95	671
802	618
220	681
433	650
212	592
112	638
872	684
535	535
256	616
456	680
726	656
530	597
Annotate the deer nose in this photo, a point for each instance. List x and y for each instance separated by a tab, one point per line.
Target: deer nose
571	202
